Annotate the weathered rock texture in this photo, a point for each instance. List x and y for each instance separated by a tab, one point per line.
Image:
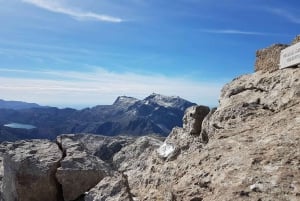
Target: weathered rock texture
111	189
82	167
252	151
193	117
29	169
133	159
268	59
43	170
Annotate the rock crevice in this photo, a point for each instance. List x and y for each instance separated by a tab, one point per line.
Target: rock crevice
60	196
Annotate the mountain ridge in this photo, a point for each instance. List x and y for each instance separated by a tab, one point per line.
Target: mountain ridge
17	105
127	115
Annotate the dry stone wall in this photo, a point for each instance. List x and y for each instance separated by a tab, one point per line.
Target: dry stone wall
268	59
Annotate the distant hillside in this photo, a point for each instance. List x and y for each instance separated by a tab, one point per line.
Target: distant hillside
17	105
155	114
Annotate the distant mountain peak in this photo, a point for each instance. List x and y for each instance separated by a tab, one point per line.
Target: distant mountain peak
155	96
165	101
125	101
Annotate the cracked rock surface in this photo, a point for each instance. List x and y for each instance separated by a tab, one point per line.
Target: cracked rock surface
82	168
29	169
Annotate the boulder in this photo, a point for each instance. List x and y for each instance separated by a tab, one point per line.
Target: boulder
86	161
79	170
111	189
193	117
29	171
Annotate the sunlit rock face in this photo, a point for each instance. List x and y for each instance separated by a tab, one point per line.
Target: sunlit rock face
29	169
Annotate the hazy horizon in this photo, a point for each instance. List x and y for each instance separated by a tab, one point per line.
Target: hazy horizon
83	106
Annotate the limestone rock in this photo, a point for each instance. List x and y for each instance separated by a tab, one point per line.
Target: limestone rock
193	117
268	59
252	151
111	189
255	95
83	165
29	169
180	138
133	159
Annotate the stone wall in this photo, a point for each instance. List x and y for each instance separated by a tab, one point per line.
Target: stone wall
267	59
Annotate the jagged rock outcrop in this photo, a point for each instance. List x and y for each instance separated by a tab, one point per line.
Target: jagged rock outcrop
29	169
193	117
252	96
252	150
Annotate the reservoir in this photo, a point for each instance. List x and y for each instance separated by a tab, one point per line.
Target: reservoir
18	125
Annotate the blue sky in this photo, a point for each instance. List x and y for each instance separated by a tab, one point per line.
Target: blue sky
86	52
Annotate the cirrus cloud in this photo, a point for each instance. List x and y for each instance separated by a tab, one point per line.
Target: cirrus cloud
56	7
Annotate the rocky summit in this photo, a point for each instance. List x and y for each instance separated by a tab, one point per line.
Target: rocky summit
248	148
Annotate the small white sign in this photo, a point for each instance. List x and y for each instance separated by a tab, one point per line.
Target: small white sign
290	56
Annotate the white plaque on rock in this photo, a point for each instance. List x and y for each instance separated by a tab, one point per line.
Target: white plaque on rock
290	56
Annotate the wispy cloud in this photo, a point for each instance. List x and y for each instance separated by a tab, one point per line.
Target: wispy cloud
99	87
234	32
55	6
286	14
